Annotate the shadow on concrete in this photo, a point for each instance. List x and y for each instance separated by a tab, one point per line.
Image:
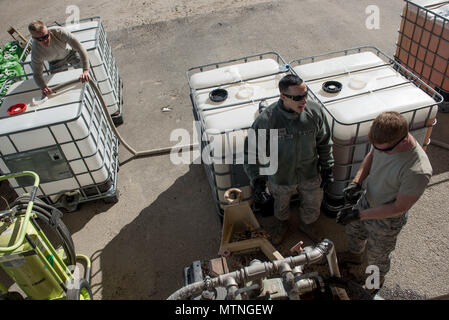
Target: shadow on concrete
146	259
439	157
76	220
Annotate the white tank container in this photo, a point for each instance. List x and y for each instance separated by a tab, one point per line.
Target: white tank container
102	64
66	140
224	124
370	86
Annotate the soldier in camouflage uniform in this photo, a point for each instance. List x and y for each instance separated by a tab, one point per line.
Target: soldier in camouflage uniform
395	172
304	151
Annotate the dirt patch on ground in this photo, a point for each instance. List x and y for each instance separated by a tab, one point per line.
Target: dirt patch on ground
128	14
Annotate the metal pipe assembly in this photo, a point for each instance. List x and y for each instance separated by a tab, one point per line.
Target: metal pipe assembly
293	283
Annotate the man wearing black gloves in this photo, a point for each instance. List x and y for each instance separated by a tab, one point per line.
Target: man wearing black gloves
396	172
305	158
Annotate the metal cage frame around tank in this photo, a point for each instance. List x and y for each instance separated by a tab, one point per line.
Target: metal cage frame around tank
411	78
102	44
440	38
209	168
93	191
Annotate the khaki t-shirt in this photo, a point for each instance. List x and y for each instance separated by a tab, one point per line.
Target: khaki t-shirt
407	173
61	43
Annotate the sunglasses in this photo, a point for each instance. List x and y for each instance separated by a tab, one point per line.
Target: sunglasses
296	98
392	147
43	37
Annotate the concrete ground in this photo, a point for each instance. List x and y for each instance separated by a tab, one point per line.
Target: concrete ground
166	216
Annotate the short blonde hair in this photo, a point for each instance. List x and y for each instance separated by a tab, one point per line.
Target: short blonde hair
388	127
36	26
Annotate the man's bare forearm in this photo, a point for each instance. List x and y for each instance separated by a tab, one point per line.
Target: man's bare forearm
402	204
364	169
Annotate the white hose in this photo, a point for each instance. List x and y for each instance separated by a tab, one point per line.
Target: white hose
136	154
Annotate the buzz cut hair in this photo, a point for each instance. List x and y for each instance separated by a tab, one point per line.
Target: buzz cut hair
288	81
36	26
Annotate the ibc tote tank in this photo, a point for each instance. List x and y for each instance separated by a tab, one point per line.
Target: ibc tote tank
66	140
371	84
248	81
103	69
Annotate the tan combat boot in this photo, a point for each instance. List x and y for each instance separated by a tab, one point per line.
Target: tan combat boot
310	231
280	231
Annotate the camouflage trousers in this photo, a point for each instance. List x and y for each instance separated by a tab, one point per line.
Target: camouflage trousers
72	59
310	195
378	236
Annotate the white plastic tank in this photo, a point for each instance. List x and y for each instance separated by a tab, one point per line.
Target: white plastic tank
102	64
224	124
370	86
66	139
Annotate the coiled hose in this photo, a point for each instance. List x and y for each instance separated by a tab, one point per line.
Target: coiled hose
51	216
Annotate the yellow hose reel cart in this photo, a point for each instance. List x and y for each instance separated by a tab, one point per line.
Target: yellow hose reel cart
29	258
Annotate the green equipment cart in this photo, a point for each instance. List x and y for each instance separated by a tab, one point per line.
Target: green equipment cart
29	258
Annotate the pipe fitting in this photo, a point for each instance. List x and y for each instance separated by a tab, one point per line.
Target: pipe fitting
288	280
303	286
325	246
284	268
257	271
258	280
231	287
298	271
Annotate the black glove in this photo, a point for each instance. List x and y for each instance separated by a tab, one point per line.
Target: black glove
327	177
352	192
259	190
348	215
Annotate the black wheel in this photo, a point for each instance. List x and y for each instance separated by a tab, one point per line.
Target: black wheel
118	120
328	213
80	291
112	199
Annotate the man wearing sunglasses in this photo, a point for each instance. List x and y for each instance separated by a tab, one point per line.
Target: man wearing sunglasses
304	151
395	172
58	46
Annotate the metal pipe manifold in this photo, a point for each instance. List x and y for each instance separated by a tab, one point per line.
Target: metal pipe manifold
256	271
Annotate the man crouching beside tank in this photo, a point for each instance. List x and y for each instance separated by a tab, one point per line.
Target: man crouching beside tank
304	151
396	172
58	46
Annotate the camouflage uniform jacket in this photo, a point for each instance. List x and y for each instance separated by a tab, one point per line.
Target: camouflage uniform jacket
304	143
